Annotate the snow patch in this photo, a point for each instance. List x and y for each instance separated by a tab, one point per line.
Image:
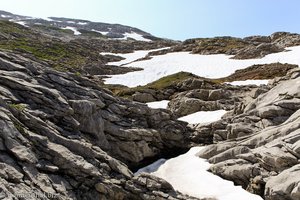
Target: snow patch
76	32
71	22
5	16
21	23
48	19
82	23
158	104
188	174
136	36
30	18
129	57
102	32
208	66
249	82
203	117
152	167
51	20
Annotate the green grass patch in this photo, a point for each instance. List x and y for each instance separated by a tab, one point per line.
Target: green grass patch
19	127
258	72
19	107
62	56
170	80
52	29
161	84
91	33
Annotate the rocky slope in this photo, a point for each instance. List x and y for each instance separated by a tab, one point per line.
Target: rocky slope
260	142
76	27
77	55
189	93
61	134
239	48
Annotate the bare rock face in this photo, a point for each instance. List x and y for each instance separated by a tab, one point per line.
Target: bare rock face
143	97
256	51
285	185
62	135
260	146
209	97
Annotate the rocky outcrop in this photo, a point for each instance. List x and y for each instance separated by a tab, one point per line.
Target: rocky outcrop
260	142
257	50
260	72
63	135
239	48
210	97
201	93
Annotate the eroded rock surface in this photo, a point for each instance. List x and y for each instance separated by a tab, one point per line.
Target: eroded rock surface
260	142
61	134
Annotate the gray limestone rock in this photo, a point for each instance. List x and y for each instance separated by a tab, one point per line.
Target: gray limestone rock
65	136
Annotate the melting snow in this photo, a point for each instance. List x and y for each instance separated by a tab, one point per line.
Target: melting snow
5	16
188	174
51	20
129	57
133	35
82	23
152	167
136	36
21	23
102	32
159	104
76	32
48	19
209	66
203	116
249	82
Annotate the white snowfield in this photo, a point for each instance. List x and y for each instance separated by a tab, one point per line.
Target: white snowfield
21	23
102	32
82	23
209	66
130	57
133	35
249	82
136	36
158	104
203	117
76	32
5	16
188	174
71	22
50	20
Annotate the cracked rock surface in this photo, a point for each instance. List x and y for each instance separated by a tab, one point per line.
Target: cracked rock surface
61	134
259	148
